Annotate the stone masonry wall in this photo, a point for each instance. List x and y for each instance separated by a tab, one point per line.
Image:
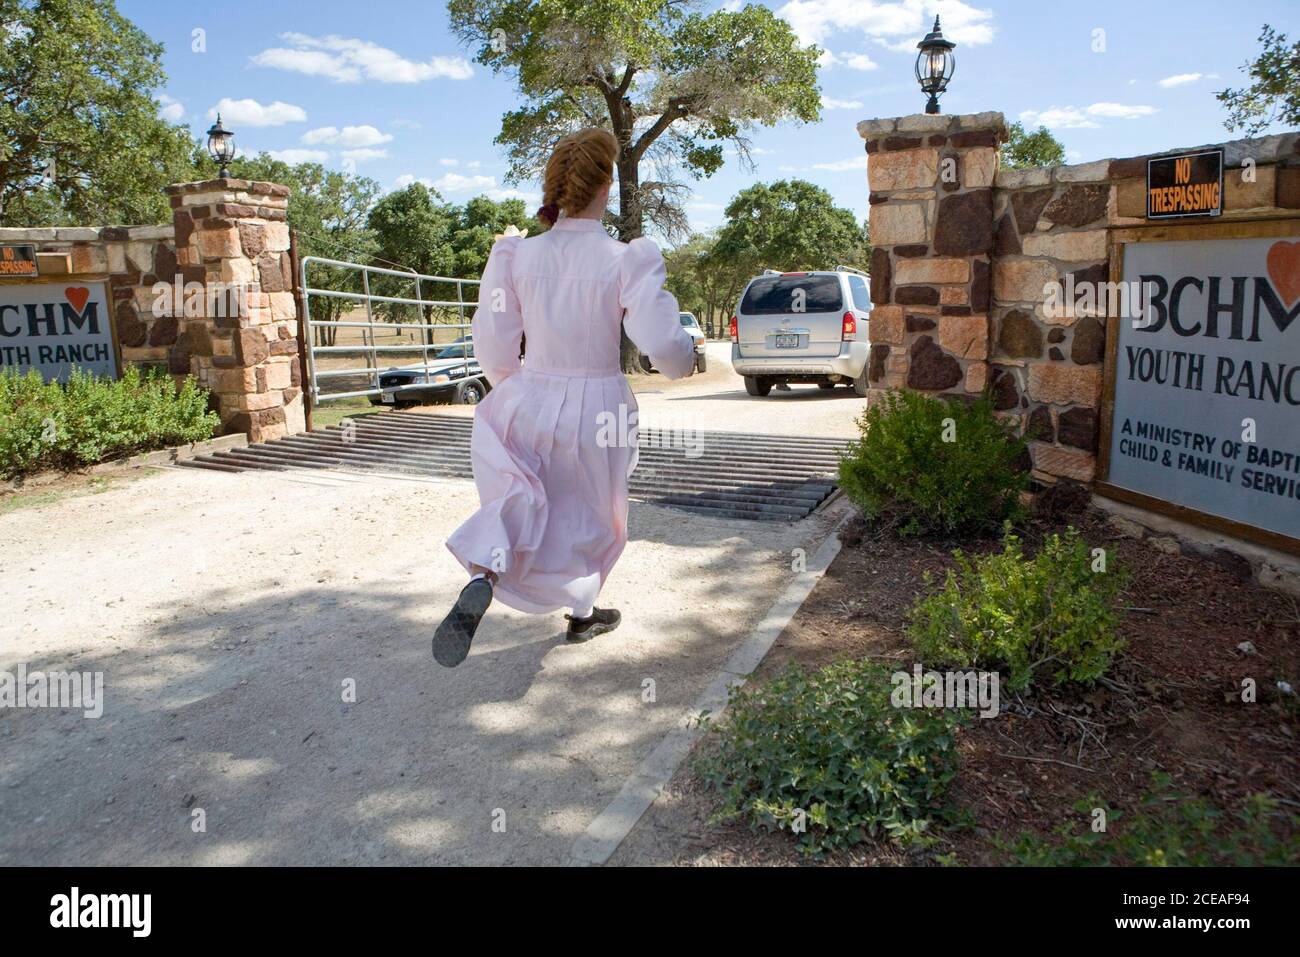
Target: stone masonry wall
932	239
134	258
963	251
232	232
236	232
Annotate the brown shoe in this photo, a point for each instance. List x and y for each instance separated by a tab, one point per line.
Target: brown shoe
600	621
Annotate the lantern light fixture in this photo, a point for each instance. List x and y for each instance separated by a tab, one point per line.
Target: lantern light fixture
934	65
221	147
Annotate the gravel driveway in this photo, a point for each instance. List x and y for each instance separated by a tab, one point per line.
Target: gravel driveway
264	646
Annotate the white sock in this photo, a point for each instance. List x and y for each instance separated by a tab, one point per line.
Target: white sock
583	612
478	576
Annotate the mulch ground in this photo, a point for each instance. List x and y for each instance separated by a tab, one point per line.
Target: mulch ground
1171	704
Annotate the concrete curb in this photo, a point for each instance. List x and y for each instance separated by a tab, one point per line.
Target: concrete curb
607	831
160	457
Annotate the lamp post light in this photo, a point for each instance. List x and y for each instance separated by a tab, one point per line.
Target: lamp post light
934	65
221	147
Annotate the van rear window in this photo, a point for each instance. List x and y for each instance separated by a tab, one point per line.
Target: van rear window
777	295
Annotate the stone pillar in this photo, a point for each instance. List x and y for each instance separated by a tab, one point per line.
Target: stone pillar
932	236
232	235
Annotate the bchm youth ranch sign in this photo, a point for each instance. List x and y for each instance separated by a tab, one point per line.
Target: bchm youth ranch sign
1206	409
54	326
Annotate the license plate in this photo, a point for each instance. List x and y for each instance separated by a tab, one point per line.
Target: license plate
389	397
786	342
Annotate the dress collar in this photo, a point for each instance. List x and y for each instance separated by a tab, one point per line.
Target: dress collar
570	222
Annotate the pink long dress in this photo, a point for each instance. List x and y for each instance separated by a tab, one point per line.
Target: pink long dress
550	450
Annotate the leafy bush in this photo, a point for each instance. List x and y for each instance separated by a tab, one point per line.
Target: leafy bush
830	745
1051	615
924	474
1168	831
48	425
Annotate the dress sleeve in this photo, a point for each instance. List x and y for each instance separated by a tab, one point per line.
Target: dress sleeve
498	324
652	317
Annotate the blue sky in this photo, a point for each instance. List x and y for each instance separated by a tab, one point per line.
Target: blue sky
383	88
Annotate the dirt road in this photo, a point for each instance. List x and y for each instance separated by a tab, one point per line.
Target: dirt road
264	646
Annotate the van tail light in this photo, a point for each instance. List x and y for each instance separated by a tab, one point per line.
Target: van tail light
735	332
850	327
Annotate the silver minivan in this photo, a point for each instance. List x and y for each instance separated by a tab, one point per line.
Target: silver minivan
803	327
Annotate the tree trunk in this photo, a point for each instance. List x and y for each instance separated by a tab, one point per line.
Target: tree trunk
629	228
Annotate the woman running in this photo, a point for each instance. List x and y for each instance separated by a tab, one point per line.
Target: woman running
555	440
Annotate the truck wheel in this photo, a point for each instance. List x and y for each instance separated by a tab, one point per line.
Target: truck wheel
757	385
701	364
860	383
469	393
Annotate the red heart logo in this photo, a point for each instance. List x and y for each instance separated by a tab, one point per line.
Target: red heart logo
1284	270
77	295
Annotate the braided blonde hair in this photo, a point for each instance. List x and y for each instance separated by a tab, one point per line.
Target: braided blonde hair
581	165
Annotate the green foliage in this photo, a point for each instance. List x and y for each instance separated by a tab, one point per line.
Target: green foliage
1168	830
79	82
830	745
790	225
90	419
676	87
1026	150
1050	616
705	281
1274	93
903	471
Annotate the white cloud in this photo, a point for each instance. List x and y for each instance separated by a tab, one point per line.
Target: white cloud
837	166
299	156
1080	118
497	194
350	60
1178	79
361	155
173	111
448	162
236	113
1120	111
487	186
833	104
840	166
898	24
349	136
853	61
456	183
1059	118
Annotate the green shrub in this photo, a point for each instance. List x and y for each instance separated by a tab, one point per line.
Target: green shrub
830	745
924	474
1167	831
1051	615
89	419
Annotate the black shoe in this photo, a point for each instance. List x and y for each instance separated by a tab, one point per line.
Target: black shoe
452	639
600	621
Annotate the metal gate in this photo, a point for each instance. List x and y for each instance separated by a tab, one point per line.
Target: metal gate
387	313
